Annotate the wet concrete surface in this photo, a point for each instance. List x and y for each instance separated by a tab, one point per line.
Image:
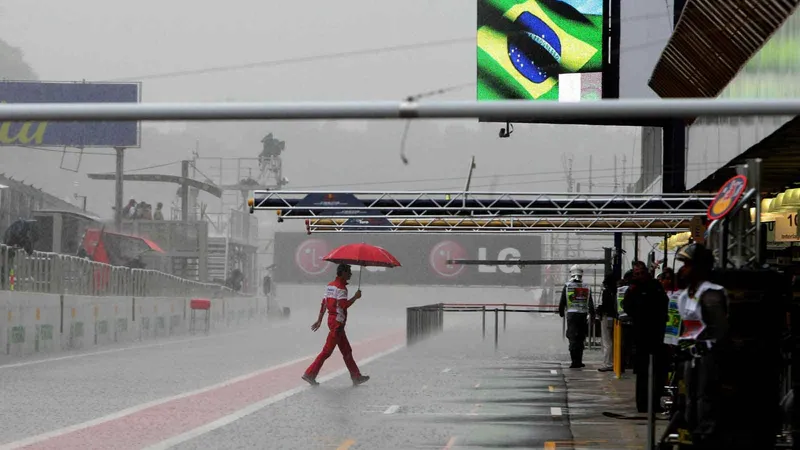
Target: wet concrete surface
47	393
452	391
42	395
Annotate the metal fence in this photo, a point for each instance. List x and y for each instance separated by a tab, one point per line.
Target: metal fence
425	321
52	273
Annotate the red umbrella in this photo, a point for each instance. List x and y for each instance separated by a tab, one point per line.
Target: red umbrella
362	255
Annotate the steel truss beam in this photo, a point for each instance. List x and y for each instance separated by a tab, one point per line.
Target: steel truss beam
641	225
495	110
415	204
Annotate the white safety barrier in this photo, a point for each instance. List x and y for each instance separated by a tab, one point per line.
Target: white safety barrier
49	323
53	273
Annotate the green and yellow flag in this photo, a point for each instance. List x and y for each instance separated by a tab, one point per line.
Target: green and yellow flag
568	40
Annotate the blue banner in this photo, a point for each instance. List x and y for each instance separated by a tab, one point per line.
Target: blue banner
72	134
345	201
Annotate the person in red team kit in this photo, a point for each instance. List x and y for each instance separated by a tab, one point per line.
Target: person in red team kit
337	304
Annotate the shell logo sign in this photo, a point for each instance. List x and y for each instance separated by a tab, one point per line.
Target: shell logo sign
727	197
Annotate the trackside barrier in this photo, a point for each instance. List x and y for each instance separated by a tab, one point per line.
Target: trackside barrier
48	323
52	273
425	321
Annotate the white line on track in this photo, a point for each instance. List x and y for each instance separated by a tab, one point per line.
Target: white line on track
446	370
553	372
555	411
219	423
477	386
392	409
132	410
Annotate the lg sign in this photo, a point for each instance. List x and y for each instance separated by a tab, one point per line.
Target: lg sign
309	254
298	259
448	250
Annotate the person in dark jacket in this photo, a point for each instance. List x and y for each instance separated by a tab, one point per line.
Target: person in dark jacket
608	312
647	305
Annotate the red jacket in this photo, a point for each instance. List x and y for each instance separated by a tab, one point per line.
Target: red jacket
336	303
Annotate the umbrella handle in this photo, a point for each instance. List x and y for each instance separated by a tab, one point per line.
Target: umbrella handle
359	277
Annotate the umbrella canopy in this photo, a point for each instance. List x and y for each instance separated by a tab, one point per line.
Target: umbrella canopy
362	255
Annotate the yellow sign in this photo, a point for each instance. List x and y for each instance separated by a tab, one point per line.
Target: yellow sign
785	228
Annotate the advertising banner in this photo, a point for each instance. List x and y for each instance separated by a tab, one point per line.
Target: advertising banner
70	134
540	49
298	259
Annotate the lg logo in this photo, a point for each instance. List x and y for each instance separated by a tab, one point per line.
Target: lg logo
450	250
309	254
441	253
507	253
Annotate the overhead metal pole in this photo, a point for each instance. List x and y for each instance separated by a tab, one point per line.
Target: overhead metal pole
524	262
495	110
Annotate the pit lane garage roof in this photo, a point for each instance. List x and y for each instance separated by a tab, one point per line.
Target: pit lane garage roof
780	161
712	41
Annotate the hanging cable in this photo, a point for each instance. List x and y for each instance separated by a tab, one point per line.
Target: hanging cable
414	98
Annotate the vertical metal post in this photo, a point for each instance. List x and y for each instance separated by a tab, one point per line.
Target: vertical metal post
484	321
185	191
666	251
441	317
651	415
618	255
755	177
635	246
609	266
409	325
505	313
496	318
120	166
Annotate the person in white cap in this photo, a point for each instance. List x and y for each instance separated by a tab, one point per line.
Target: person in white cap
576	302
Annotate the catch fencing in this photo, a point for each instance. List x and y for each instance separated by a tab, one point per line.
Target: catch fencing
425	321
52	273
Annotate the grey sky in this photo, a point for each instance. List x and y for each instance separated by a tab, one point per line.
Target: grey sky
102	40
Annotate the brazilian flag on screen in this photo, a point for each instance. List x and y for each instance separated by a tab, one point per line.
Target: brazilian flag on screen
524	45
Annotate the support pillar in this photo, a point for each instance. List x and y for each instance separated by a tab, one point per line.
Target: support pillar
120	167
184	191
618	256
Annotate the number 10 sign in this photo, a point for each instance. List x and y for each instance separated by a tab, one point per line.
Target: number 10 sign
786	228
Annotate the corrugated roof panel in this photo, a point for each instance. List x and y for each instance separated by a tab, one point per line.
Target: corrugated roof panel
712	41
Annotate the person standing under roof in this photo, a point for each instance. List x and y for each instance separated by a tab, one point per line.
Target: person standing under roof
576	302
647	305
337	305
608	312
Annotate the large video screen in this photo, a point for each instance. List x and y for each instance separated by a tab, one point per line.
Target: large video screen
540	49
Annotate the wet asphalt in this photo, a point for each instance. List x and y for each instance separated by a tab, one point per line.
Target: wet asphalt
452	391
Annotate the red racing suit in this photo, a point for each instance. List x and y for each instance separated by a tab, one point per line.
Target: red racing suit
336	303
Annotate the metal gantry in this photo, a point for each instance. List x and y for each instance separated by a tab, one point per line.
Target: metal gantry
483	205
640	225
